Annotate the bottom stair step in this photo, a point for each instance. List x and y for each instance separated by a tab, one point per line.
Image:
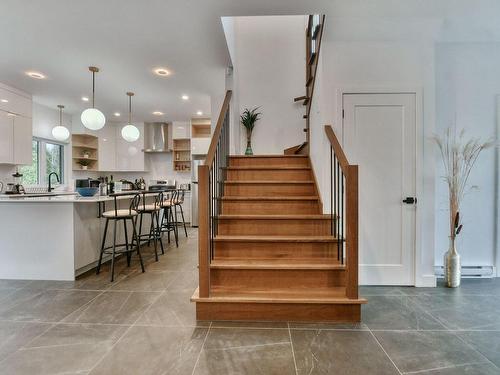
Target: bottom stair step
323	305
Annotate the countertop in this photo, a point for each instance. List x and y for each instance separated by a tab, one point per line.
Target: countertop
65	197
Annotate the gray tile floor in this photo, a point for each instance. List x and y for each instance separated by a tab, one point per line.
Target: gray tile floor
145	324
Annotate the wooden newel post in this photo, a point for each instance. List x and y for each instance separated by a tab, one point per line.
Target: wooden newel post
352	232
203	230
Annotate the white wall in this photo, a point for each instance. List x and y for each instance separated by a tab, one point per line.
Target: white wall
269	68
467	84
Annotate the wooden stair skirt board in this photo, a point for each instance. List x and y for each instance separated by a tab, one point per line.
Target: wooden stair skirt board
274	256
279	306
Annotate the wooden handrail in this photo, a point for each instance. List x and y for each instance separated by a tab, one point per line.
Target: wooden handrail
215	137
350	216
337	148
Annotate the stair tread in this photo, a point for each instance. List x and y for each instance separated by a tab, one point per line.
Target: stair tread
283	198
317	295
278	217
263	182
278	264
276	238
267	156
267	168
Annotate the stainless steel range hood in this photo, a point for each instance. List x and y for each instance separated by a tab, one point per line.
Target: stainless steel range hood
157	137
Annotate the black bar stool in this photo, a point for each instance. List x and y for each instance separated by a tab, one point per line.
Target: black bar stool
127	248
168	221
153	209
178	203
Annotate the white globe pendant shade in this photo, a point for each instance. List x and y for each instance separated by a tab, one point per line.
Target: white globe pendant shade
93	119
60	133
130	133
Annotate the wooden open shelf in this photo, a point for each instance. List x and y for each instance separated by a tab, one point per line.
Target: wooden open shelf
182	155
81	143
201	128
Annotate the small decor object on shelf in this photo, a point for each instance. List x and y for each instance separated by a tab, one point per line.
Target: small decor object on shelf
85	154
248	120
84	164
459	156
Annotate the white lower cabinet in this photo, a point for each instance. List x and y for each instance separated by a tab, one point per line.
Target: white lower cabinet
15	139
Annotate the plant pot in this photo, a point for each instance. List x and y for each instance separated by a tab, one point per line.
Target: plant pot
84	167
452	266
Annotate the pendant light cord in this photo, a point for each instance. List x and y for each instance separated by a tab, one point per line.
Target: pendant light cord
130	109
93	88
60	116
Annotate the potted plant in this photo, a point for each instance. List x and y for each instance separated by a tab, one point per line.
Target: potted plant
84	164
248	120
459	156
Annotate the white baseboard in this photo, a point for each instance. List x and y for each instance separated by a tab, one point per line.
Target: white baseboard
426	281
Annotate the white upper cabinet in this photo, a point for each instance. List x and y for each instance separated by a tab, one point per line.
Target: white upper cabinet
6	138
118	155
23	137
107	148
199	146
15	101
181	130
129	155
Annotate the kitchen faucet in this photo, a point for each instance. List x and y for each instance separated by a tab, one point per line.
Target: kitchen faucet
50	188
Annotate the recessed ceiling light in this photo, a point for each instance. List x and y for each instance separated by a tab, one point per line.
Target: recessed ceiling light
157	113
36	75
85	99
199	113
185	97
162	72
4	100
117	114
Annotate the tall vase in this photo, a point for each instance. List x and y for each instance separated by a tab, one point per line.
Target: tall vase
452	266
249	151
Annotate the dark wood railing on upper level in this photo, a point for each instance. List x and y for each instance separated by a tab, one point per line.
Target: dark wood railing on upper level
344	210
211	177
314	35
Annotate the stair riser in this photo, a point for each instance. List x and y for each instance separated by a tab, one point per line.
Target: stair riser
270	207
269	175
274	227
269	190
269	162
260	279
298	312
276	250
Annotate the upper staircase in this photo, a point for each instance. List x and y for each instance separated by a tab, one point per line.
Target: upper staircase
274	256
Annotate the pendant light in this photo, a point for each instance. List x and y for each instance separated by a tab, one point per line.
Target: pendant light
130	132
92	118
60	132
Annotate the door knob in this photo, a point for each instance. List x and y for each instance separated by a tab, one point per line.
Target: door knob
410	200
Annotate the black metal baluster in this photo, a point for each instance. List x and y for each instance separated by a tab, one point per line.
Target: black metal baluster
338	216
343	219
331	192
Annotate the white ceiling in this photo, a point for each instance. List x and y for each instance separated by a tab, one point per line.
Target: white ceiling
128	38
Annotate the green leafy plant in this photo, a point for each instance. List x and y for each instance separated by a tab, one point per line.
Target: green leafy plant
83	162
248	120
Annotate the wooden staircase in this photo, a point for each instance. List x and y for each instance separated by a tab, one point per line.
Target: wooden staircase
273	256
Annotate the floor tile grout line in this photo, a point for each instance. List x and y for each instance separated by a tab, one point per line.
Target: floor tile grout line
86	305
147	309
120	338
474	349
201	349
293	350
445	367
387	354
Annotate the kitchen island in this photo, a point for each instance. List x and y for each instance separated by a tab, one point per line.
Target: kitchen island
54	237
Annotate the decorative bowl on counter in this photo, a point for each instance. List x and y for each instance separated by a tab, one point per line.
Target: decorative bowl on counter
87	191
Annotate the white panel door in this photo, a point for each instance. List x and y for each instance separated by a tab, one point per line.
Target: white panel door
380	136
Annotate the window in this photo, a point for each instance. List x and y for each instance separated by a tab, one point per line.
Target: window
47	157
